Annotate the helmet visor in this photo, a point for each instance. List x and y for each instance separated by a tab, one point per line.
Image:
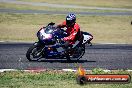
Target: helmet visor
69	22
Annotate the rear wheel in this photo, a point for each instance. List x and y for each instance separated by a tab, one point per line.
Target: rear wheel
77	53
34	53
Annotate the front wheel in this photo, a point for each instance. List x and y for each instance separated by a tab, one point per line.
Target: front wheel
34	53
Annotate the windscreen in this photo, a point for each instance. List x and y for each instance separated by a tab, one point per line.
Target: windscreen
49	29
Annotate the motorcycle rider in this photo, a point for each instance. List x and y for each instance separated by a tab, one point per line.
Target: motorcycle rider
72	30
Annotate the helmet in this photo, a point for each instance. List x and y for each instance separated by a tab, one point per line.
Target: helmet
70	19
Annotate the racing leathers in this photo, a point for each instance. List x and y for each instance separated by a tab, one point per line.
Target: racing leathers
72	31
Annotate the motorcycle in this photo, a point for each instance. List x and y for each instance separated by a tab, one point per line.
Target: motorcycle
50	45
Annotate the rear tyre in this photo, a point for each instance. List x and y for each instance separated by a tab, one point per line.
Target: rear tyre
34	53
77	53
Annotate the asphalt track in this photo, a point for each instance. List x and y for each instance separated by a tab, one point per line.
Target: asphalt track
106	56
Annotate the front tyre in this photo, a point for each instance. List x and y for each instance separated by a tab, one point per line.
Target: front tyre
34	53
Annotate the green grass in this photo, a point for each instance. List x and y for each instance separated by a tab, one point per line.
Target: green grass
23	27
100	3
51	79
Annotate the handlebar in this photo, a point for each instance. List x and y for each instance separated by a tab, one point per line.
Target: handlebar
61	42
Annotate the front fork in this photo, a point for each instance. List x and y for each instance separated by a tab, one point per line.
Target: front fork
40	48
37	43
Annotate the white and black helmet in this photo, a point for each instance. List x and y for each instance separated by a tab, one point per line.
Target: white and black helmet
70	19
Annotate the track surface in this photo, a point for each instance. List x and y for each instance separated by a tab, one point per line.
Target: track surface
106	56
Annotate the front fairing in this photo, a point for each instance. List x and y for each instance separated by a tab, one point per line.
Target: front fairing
50	34
45	36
